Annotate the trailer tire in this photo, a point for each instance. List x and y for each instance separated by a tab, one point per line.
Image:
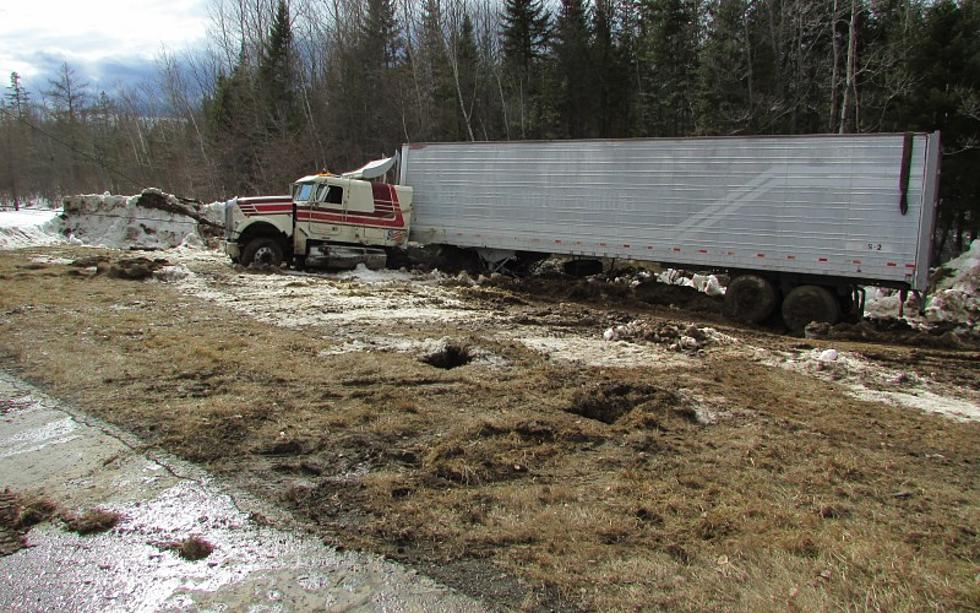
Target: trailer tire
807	303
750	298
582	268
263	251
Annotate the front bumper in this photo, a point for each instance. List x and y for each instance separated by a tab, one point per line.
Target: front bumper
233	250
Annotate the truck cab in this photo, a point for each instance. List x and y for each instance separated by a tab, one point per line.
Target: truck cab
330	220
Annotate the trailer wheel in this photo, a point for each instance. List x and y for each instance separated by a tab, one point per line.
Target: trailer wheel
264	251
750	298
582	268
808	303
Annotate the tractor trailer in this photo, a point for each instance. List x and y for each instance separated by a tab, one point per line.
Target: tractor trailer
799	223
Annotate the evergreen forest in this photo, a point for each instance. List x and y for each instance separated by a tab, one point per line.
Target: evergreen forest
282	89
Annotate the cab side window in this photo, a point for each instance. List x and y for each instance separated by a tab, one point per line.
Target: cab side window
330	194
335	195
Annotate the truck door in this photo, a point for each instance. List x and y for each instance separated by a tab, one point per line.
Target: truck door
328	211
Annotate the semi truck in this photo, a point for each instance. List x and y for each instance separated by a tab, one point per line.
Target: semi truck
799	223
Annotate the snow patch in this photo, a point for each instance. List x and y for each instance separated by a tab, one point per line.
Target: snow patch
707	284
349	304
955	299
171	273
677	337
29	227
48	259
366	275
597	352
866	380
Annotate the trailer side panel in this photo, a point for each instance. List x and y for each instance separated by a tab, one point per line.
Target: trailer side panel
824	205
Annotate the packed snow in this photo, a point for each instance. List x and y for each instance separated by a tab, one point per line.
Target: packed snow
707	284
350	300
29	228
676	337
125	222
105	220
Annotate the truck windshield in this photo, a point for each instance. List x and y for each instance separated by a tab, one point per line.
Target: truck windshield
304	191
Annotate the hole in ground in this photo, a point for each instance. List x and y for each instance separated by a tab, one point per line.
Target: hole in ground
451	356
609	401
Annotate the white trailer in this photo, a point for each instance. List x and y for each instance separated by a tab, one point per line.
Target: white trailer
800	222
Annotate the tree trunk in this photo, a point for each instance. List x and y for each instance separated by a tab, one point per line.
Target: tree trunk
835	75
850	89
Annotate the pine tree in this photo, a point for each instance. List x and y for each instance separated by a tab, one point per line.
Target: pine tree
524	36
466	77
724	94
668	56
575	76
525	33
439	93
609	74
277	81
233	131
17	97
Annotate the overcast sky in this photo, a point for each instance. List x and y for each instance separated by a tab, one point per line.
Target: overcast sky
109	43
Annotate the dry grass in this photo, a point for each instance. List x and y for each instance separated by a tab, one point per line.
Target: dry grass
577	487
91	521
19	512
192	548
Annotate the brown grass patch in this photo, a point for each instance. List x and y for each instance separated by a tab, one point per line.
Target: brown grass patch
91	521
577	487
192	548
18	514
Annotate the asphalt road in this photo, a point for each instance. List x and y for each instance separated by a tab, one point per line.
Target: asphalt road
81	463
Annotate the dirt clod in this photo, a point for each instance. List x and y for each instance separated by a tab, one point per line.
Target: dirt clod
134	269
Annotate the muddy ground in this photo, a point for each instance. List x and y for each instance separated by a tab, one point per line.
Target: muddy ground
549	444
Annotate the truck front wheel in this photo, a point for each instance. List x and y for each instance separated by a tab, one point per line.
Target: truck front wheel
263	251
808	303
750	298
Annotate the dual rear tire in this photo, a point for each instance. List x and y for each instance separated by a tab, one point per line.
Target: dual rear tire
753	299
806	303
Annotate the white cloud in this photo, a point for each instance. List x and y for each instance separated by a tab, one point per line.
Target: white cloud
96	32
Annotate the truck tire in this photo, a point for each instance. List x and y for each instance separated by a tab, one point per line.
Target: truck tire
807	303
750	298
263	251
582	268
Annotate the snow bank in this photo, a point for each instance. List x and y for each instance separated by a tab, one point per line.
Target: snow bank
954	300
29	227
150	220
